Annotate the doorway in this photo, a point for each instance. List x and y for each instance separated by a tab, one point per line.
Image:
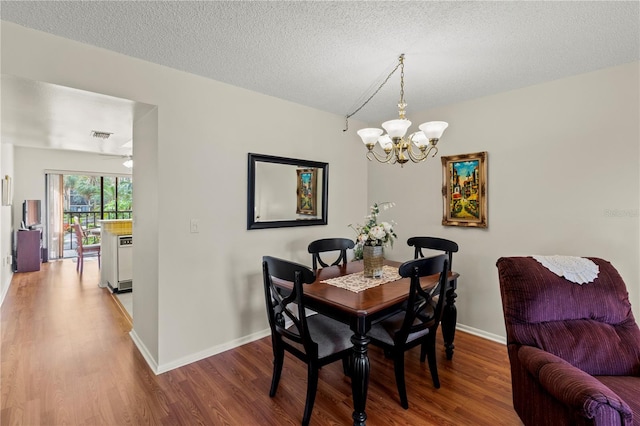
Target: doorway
87	198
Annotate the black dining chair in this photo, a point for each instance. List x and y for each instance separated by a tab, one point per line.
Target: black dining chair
329	244
417	324
316	340
433	243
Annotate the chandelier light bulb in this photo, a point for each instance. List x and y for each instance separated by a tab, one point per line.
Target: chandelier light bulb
396	128
434	129
370	135
419	139
385	142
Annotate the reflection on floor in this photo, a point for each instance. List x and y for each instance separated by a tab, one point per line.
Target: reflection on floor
126	300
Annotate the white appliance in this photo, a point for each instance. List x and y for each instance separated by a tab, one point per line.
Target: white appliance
120	274
125	263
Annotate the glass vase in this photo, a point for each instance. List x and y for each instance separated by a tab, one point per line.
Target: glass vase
373	259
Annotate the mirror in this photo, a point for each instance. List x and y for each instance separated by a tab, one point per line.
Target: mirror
286	192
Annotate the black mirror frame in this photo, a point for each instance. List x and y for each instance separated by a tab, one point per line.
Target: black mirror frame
253	158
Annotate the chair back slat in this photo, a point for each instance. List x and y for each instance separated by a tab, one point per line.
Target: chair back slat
328	245
433	243
77	229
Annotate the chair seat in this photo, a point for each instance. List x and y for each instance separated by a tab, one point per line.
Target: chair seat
330	335
91	247
385	331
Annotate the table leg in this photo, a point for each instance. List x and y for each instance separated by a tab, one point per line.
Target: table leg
449	319
359	378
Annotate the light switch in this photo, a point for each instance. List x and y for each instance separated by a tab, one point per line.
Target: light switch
195	226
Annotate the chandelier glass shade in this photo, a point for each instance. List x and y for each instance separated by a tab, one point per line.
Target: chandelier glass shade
396	147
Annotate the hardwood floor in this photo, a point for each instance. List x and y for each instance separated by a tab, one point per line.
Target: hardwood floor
67	359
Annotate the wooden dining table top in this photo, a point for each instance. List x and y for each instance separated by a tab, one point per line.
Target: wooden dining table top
365	302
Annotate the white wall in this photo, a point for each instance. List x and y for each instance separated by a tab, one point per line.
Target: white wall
563	178
145	230
6	219
209	294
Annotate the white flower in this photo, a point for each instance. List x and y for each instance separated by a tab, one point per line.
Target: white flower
378	232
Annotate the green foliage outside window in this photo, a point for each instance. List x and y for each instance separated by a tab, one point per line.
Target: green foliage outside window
83	194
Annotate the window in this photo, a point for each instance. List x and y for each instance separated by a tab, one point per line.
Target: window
90	198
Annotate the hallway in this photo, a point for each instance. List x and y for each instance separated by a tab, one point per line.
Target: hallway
61	336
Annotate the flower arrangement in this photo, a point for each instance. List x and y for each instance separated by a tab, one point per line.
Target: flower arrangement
374	233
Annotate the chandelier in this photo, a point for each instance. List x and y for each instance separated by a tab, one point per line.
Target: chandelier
397	148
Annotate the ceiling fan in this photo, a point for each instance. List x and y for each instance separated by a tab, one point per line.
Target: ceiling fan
128	159
128	163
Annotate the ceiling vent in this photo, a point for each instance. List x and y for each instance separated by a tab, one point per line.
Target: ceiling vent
100	135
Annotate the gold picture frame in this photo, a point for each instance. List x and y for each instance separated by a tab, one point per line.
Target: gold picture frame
464	190
306	192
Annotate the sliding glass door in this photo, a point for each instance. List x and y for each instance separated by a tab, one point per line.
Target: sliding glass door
89	198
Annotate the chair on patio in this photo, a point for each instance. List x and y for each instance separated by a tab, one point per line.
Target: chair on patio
84	249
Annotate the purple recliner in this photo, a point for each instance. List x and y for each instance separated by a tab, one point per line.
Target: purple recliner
574	349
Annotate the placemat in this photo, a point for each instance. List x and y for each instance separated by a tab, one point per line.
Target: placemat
357	282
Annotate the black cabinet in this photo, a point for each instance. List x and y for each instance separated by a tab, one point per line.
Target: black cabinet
28	250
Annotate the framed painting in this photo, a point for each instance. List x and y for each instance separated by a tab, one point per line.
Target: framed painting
307	192
464	190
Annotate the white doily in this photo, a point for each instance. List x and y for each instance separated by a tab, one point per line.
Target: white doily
575	269
357	282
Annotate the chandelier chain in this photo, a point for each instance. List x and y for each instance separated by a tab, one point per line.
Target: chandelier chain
402	79
401	105
400	63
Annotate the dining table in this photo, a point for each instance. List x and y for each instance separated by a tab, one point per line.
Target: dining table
334	294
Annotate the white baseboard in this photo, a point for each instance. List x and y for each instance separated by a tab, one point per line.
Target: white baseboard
144	351
481	333
5	288
163	368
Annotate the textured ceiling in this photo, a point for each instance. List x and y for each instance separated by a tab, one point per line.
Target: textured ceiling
332	55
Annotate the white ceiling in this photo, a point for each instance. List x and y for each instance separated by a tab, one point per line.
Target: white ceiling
43	115
329	55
